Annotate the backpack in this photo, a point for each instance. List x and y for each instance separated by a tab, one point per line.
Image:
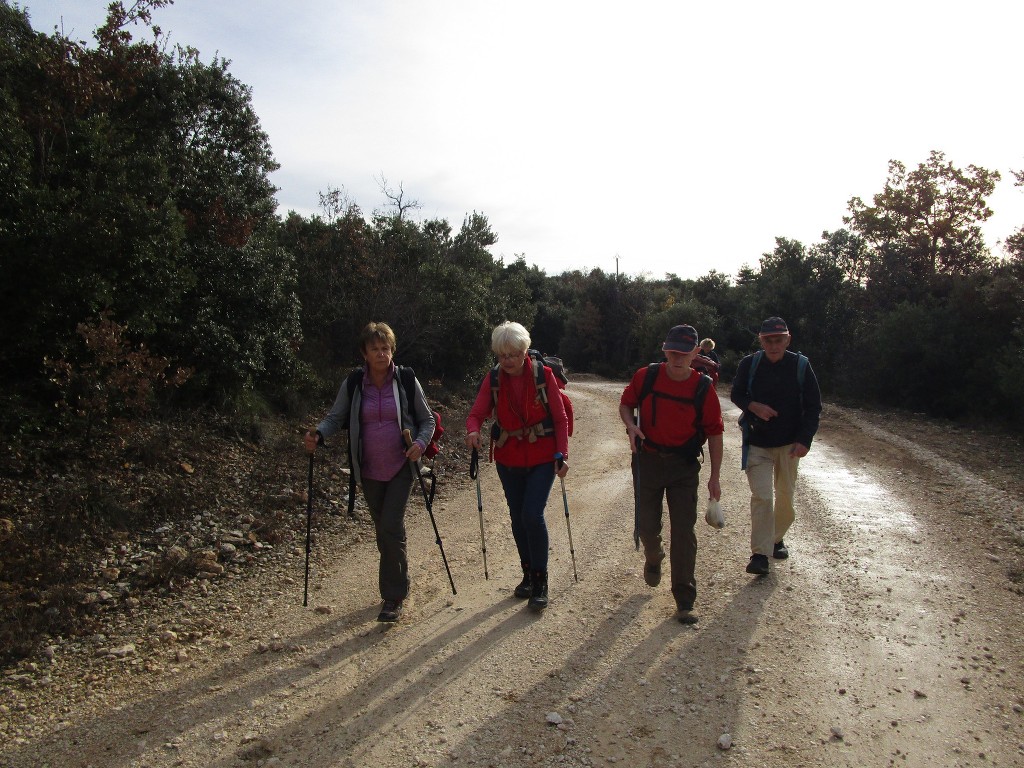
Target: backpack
538	361
707	366
744	422
694	447
407	377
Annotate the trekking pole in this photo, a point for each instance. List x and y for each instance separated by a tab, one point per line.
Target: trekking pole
427	500
309	524
565	501
474	472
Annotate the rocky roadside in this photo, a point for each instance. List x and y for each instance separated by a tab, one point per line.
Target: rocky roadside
225	533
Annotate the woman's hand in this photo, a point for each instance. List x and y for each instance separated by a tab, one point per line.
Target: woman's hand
561	467
413	452
310	440
473	441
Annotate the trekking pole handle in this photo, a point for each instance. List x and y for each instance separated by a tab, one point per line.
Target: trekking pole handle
559	459
474	465
407	434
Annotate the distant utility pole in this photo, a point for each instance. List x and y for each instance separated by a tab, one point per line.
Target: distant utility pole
616	267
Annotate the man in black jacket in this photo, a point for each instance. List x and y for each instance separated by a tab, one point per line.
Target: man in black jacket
781	403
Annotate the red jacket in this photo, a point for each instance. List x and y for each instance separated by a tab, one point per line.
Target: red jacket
520	406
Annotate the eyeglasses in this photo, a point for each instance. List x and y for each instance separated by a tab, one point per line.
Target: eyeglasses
511	356
774	339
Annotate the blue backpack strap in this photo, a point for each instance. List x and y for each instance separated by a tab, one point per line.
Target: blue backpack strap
753	367
744	422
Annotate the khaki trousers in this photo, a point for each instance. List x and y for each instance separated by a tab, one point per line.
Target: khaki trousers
771	473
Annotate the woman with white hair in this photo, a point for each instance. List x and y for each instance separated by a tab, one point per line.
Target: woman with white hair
529	434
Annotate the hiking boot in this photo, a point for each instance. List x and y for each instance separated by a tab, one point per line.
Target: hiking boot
390	612
539	593
652	571
781	551
686	616
758	565
524	588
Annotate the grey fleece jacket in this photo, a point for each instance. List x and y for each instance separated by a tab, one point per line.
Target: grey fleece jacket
345	414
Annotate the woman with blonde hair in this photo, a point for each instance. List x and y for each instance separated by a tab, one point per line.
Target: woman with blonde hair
375	410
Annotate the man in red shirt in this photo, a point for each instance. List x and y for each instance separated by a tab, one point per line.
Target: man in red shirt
667	438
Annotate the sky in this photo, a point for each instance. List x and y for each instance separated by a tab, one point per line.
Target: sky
641	137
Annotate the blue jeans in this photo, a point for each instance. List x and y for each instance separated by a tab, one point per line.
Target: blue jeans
526	491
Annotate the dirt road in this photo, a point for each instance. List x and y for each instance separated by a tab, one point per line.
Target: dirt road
892	636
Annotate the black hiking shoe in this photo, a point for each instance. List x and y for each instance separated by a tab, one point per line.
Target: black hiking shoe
539	594
758	565
781	551
390	612
524	588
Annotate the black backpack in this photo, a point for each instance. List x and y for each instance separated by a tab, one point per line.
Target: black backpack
694	447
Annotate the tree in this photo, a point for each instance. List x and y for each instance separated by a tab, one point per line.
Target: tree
140	185
930	216
1015	242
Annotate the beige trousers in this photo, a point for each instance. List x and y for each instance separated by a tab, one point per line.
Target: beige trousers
771	473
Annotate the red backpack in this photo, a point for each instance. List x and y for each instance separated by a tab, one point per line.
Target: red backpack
707	366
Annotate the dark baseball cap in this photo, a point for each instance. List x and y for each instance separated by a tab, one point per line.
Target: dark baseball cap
774	326
681	338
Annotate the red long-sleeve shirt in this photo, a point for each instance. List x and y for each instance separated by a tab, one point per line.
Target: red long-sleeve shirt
519	405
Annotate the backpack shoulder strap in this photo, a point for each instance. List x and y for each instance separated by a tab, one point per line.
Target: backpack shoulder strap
801	374
801	369
353	380
649	378
541	381
408	378
753	367
495	387
704	385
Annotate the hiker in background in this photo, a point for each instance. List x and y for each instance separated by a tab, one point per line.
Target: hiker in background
706	360
375	414
781	404
677	410
525	437
707	348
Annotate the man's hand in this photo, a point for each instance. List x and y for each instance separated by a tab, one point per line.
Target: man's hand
634	434
762	411
799	450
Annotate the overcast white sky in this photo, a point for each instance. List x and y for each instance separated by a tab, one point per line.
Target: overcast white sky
677	138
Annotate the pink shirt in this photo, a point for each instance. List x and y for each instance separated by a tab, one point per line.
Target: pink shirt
383	454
